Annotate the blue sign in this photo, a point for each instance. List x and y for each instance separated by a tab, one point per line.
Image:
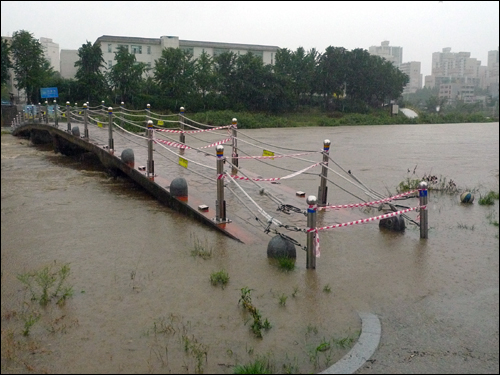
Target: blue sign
49	92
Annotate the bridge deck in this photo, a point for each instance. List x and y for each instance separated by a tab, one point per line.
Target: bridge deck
243	225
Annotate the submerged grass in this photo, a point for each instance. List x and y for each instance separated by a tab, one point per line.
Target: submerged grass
220	277
488	199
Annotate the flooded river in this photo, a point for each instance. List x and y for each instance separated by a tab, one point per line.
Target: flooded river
142	302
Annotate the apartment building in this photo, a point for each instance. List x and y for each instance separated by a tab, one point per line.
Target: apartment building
68	59
51	52
390	53
412	69
147	50
454	67
455	92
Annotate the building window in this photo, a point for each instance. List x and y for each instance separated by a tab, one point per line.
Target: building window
189	50
122	45
110	64
219	51
109	48
149	50
136	50
258	54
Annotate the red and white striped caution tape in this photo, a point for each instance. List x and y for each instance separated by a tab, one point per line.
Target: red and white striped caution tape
269	179
368	203
361	221
170	143
193	131
275	156
181	145
218	143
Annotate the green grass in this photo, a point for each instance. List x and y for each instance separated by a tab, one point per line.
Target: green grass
488	199
286	263
327	288
47	284
282	299
200	249
260	365
220	277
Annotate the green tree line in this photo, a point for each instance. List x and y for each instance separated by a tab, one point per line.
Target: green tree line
334	80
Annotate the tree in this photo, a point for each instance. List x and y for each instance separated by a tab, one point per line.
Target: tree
125	76
92	85
174	74
225	70
204	77
332	73
31	68
6	63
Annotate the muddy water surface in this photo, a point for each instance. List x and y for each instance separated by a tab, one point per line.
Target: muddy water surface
142	303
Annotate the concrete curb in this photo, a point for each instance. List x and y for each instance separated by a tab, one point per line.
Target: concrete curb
363	349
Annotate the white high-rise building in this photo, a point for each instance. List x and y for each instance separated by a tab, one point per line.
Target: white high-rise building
390	53
412	69
51	51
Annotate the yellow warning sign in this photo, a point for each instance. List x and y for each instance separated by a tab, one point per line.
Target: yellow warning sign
99	124
160	123
268	153
183	162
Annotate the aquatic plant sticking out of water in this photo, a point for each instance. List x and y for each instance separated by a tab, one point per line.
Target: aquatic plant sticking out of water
221	277
48	284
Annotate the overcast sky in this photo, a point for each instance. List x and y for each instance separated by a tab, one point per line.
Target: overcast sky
420	27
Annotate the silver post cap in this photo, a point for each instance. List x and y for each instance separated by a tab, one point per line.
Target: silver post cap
422	185
327	142
148	105
311	200
67	103
181	109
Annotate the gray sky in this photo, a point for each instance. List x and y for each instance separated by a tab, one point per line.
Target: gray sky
420	27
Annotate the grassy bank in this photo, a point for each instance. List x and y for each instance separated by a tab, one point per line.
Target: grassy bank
248	120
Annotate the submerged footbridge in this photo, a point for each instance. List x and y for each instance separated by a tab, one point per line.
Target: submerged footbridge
213	173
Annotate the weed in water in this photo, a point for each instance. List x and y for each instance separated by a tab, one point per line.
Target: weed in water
491	219
201	250
295	291
289	367
344	342
46	284
282	299
29	320
465	226
312	329
260	365
286	263
220	277
257	324
488	199
327	288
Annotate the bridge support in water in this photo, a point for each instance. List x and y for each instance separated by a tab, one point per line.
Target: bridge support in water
422	193
234	134
151	163
220	204
111	146
323	189
311	235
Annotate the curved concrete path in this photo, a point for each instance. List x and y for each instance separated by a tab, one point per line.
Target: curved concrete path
363	349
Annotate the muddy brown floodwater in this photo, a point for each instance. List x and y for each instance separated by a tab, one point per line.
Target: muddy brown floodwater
141	302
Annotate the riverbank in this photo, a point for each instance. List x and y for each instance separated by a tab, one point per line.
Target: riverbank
252	120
